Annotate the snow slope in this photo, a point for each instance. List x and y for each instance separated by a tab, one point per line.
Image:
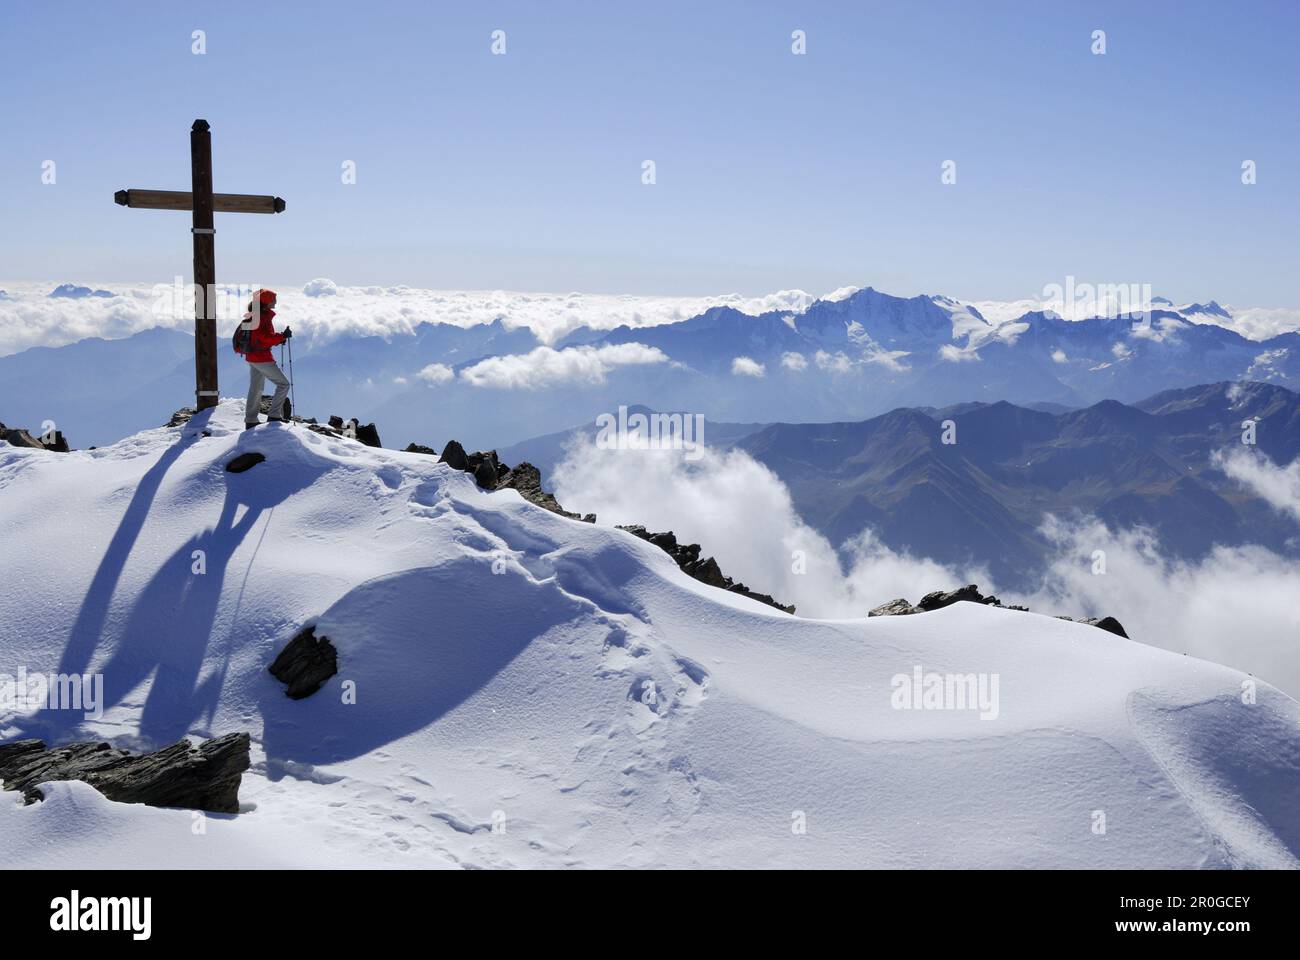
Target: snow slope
586	704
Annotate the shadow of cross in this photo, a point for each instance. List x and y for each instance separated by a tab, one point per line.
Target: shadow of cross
203	203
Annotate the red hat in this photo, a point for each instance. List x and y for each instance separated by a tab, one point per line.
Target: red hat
266	297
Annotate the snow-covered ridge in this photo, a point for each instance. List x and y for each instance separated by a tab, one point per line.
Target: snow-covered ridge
531	690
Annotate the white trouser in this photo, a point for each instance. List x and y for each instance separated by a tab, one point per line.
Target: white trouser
258	374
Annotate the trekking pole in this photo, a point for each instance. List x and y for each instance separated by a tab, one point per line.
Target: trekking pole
293	394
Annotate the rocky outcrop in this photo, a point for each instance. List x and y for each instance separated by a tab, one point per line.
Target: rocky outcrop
486	468
366	433
420	448
527	479
894	608
54	441
936	600
706	570
352	429
453	455
264	406
491	474
245	461
1109	624
197	777
305	663
483	464
970	593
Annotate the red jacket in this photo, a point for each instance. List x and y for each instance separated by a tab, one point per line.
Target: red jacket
263	338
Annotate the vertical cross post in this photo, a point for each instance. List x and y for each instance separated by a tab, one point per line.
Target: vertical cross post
205	268
203	203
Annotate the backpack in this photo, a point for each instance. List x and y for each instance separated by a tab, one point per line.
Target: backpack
242	340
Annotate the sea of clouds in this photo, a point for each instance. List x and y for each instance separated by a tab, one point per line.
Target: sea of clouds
321	310
1236	606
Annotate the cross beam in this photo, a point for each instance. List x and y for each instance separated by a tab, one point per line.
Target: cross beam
183	200
203	203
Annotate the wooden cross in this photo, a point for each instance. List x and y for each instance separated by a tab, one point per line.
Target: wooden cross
204	203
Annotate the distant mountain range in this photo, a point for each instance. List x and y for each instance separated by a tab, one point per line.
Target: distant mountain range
842	359
982	499
877	351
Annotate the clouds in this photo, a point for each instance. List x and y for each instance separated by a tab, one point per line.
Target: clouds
955	354
320	288
322	310
436	373
747	367
547	367
1254	323
742	515
840	362
837	362
1277	486
1235	606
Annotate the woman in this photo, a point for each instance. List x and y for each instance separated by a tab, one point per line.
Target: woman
261	365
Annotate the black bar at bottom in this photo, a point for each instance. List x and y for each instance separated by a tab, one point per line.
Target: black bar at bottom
299	908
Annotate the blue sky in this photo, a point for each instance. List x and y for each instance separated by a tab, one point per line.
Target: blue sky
774	171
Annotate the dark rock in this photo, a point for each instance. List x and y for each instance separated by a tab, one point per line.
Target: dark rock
367	434
55	442
339	428
453	455
971	594
21	438
420	448
527	479
202	777
894	608
687	558
944	598
485	475
181	417
245	461
305	663
1109	624
264	406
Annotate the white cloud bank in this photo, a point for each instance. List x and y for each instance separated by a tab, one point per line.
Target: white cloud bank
322	310
1235	606
547	367
742	515
747	367
1277	486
